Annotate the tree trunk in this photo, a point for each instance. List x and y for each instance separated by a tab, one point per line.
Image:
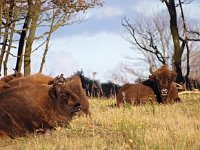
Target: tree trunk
14	16
175	36
35	12
5	39
51	30
21	43
1	5
187	80
45	52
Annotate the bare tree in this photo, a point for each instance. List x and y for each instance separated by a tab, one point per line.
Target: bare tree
144	38
151	43
1	12
22	39
35	12
6	30
160	41
177	39
13	17
38	14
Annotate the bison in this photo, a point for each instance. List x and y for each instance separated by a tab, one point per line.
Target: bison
37	107
11	77
92	87
35	78
4	85
134	94
164	78
160	87
110	89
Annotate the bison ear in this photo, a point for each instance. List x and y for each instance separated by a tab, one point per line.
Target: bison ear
174	75
54	90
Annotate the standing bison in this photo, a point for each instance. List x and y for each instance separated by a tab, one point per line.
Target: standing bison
36	107
160	87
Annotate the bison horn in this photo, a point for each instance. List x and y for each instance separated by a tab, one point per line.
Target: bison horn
151	70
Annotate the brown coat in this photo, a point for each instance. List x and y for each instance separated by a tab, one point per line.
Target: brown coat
11	77
37	107
165	80
35	78
160	87
135	94
4	86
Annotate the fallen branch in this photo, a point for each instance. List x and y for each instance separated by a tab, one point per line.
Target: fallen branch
189	92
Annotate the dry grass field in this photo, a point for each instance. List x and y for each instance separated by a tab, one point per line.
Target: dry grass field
166	127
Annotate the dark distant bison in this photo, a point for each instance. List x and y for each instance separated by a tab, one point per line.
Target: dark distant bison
92	87
36	107
110	89
160	83
95	89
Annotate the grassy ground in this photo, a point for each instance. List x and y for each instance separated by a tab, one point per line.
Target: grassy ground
144	127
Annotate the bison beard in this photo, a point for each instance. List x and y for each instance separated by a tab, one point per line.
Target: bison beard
38	107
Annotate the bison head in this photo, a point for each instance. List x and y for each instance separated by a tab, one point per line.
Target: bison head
164	78
64	100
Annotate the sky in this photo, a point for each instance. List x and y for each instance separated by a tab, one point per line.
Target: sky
96	44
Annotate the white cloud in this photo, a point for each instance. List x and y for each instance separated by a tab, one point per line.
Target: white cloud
110	11
192	10
99	52
106	12
148	8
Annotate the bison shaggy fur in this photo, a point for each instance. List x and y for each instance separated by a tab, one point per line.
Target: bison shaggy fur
35	78
37	107
11	77
160	87
135	94
4	86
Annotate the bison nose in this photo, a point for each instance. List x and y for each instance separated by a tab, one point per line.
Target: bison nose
77	107
164	92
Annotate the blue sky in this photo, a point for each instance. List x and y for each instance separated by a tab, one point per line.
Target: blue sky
96	44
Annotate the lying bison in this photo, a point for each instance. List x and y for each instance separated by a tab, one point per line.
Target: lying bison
4	86
135	94
37	107
11	77
160	87
35	78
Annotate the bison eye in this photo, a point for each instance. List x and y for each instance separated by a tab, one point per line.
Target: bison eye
64	96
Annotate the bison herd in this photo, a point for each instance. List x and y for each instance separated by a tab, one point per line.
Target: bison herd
37	103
